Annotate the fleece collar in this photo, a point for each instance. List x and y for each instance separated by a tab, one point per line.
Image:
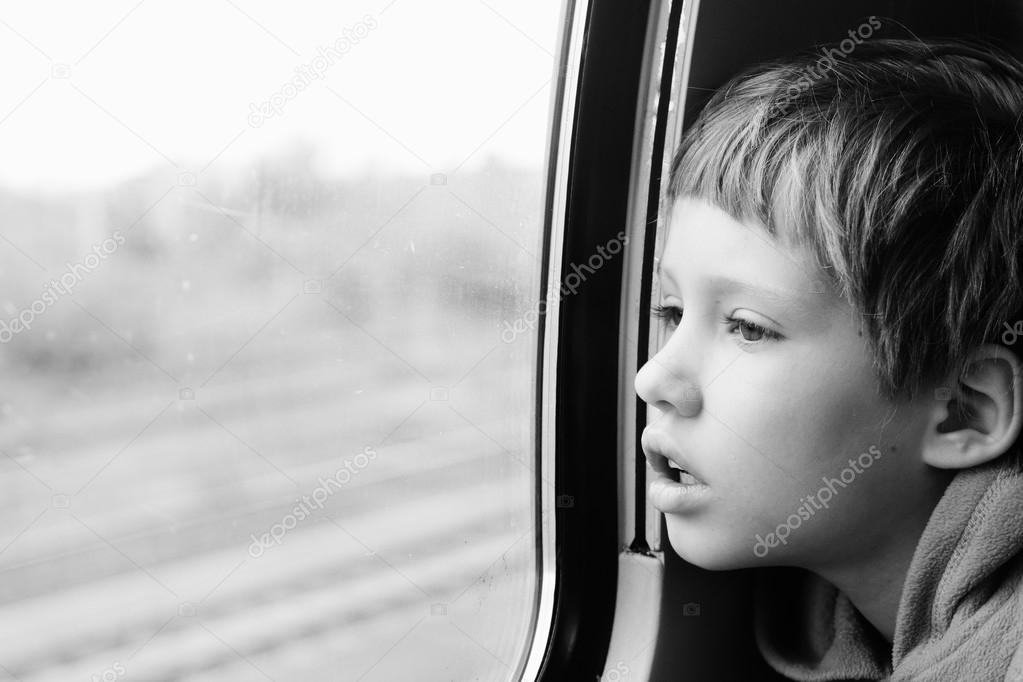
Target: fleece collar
960	615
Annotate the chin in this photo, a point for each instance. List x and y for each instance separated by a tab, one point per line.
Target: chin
709	550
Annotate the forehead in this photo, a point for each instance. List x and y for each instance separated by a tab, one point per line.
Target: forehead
710	253
706	242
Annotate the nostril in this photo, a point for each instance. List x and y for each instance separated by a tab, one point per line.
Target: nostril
664	389
691	402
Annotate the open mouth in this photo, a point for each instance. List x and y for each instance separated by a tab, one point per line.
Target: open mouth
673	489
664	457
680	475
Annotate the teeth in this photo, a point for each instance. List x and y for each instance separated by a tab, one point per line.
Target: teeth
683	475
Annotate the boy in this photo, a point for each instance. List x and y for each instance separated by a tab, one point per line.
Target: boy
844	255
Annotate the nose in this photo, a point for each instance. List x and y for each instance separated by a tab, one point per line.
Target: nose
663	385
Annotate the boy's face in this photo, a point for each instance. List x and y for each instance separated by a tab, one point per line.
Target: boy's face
762	390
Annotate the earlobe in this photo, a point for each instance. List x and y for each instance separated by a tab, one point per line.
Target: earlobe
979	418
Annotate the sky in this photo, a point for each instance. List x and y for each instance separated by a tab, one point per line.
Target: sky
95	93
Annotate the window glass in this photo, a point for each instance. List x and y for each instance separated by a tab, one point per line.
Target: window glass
268	337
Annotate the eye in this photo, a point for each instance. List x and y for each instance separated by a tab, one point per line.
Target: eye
750	332
672	315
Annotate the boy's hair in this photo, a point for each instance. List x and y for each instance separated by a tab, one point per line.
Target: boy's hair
900	165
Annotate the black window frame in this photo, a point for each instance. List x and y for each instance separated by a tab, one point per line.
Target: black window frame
587	393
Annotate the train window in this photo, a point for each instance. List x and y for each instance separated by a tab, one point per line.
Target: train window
269	337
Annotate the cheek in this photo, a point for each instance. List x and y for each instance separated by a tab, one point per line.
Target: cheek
796	420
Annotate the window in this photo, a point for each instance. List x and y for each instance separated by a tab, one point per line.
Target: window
268	335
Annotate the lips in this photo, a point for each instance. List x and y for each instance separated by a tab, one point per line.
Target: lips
665	458
671	492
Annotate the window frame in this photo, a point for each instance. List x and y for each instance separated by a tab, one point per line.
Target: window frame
589	180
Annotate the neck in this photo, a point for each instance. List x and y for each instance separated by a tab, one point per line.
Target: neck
875	590
875	579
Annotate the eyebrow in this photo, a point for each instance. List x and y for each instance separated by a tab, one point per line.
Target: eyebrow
730	285
790	301
659	273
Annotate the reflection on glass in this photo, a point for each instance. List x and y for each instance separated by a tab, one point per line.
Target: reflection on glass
261	416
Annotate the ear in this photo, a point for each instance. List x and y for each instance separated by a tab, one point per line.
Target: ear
979	417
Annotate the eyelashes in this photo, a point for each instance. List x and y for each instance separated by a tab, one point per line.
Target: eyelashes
749	332
671	315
